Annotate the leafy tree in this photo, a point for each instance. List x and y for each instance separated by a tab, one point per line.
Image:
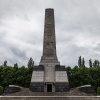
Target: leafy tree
1	90
98	91
79	76
15	64
79	62
30	63
90	63
83	63
5	63
96	63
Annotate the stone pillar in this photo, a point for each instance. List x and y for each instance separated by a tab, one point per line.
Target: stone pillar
49	42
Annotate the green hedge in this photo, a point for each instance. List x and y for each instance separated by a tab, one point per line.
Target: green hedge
1	90
98	91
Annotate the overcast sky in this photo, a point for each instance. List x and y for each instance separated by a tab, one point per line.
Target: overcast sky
77	24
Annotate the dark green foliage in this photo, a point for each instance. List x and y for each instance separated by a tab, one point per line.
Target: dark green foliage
1	90
80	62
30	63
96	63
83	63
5	63
15	75
90	63
16	64
98	91
83	76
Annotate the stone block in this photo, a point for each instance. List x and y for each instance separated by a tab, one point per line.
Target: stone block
38	68
37	76
62	87
59	68
61	76
37	86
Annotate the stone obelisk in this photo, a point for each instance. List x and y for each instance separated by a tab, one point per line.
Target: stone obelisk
49	43
49	75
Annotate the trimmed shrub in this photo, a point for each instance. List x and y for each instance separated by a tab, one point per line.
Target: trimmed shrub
98	91
1	90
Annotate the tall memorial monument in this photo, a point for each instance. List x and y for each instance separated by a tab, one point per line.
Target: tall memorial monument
49	75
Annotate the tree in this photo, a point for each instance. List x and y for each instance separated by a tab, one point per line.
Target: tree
90	63
98	91
1	90
83	62
96	63
16	65
30	63
79	62
5	63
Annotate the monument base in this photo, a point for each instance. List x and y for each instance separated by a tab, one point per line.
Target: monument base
50	87
49	77
62	87
37	87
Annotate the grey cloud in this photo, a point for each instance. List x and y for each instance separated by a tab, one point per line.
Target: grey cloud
18	53
71	53
22	23
97	47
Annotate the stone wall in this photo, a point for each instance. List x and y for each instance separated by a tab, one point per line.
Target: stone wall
50	98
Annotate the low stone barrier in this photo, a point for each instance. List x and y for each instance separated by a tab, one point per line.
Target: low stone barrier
12	89
87	89
49	97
